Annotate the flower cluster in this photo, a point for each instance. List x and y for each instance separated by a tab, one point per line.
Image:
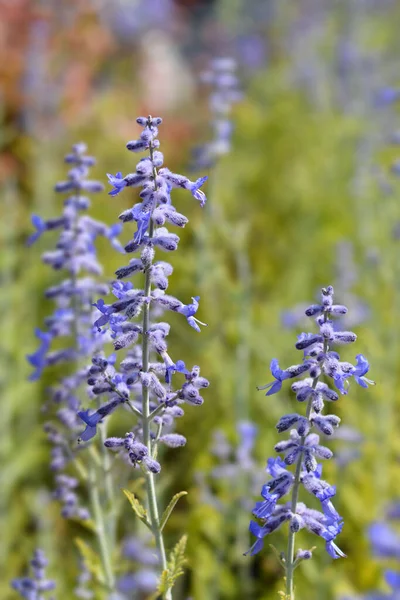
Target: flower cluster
303	448
75	252
222	78
137	376
36	586
72	319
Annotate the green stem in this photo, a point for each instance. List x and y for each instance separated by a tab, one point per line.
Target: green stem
150	484
105	527
109	485
295	496
98	516
290	562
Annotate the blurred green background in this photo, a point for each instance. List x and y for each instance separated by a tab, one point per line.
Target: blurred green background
309	171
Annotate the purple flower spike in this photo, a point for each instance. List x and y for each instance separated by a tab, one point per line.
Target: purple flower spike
117	181
302	449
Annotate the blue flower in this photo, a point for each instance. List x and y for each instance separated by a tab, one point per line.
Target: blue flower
360	370
274	489
143	220
178	367
120	288
279	375
189	310
95	418
106	310
276	466
196	192
117	181
38	358
40	227
259	532
333	528
91	424
273	523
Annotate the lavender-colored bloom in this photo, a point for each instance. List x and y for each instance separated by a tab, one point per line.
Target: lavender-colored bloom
189	310
275	489
178	367
92	420
281	375
117	181
40	227
272	524
362	369
38	358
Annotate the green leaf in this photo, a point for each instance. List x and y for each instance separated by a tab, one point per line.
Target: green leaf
91	559
175	567
167	512
138	508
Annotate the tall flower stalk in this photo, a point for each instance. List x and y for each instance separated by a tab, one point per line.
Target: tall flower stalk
71	322
303	449
138	383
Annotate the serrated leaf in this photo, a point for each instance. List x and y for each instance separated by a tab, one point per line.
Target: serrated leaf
163	584
137	507
175	567
91	559
167	512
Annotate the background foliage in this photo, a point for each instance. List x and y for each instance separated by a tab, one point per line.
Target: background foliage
309	170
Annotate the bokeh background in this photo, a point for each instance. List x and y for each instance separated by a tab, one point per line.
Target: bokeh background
306	196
